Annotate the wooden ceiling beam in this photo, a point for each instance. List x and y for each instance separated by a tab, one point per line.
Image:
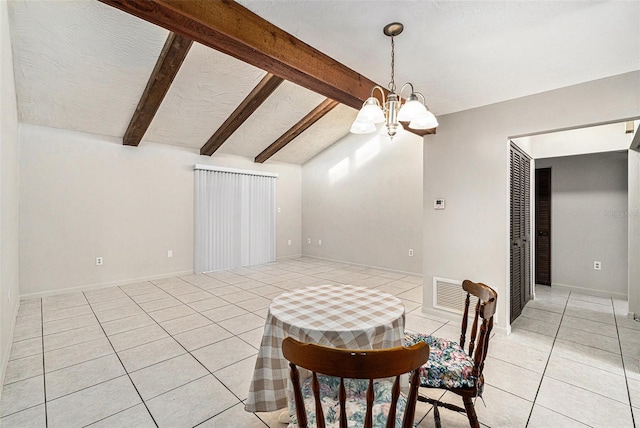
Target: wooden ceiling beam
316	114
256	97
171	57
231	28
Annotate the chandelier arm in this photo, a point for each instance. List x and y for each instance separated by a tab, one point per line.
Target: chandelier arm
378	87
404	86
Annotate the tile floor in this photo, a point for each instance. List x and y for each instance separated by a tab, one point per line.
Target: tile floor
179	352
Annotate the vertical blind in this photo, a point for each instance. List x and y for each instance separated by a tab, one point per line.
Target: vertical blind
235	213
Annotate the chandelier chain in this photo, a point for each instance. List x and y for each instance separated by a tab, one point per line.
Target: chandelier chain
392	84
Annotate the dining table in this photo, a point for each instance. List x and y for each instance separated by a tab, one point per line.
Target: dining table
338	315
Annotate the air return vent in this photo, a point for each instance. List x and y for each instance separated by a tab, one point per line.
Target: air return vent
448	295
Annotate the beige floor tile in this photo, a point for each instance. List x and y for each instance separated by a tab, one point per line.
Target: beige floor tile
414	295
502	409
73	337
542	417
634	392
150	297
92	404
237	377
104	294
417	322
121	302
75	354
242	323
153	380
118	313
582	405
511	378
203	336
23	368
588	377
582	337
25	348
235	416
536	326
21	395
190	322
182	407
529	339
33	417
158	304
253	337
208	304
139	288
150	353
501	348
83	375
603	317
134	417
254	304
224	312
126	324
171	313
137	337
194	297
57	326
604	360
224	353
542	315
57	314
604	329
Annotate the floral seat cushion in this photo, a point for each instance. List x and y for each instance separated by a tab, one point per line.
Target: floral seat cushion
449	366
356	405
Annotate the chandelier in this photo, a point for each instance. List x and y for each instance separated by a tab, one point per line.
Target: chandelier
412	113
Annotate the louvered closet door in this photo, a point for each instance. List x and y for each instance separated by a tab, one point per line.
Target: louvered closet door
520	168
543	226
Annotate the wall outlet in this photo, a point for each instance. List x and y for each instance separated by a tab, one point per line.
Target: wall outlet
308	240
319	241
98	261
410	253
169	253
279	210
597	265
289	242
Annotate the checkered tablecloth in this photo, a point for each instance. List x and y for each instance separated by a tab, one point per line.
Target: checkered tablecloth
343	316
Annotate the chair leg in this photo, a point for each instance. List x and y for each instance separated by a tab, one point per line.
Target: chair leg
436	415
471	412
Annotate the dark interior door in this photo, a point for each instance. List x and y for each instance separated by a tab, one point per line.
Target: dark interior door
520	251
543	226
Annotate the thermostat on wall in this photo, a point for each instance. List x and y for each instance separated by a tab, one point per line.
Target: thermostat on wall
438	204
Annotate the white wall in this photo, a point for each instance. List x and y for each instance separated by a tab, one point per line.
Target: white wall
633	211
589	222
467	162
363	198
85	195
9	176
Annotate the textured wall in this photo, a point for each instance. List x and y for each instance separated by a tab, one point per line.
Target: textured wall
84	195
363	198
9	176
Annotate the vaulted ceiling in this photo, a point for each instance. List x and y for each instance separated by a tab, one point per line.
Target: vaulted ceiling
86	66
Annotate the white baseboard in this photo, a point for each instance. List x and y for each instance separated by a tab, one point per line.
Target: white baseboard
361	265
7	351
590	291
103	285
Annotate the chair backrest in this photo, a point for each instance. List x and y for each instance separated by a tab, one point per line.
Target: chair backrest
355	364
485	309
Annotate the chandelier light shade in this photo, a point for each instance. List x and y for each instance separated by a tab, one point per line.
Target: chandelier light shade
392	111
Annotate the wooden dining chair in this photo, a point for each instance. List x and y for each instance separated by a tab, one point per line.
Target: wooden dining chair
450	367
347	386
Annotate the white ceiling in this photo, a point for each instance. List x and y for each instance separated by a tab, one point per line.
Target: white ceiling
82	65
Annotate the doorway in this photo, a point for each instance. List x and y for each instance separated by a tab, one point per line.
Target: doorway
543	226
